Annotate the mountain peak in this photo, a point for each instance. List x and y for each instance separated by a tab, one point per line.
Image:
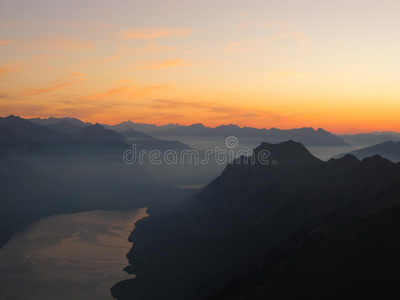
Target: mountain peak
287	152
129	122
14	120
197	125
93	129
12	117
231	126
377	160
346	160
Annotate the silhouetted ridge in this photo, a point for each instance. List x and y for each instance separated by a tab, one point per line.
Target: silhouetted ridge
377	160
287	152
53	121
348	159
97	135
306	135
65	126
21	135
251	215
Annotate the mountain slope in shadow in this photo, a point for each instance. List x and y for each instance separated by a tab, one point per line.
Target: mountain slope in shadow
361	261
250	216
22	135
97	135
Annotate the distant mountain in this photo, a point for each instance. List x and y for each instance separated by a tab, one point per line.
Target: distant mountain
369	139
307	136
388	149
133	134
52	121
22	135
17	134
143	127
146	142
97	135
252	215
65	126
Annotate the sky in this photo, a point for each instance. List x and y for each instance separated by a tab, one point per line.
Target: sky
261	63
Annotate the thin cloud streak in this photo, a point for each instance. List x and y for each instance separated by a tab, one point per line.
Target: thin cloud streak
72	79
59	44
5	42
220	111
154	33
132	89
10	68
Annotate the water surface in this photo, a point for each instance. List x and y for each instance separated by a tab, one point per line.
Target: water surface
68	257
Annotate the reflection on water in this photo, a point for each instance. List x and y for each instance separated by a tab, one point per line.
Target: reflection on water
75	256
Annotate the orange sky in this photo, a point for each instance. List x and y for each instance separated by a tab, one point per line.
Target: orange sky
284	64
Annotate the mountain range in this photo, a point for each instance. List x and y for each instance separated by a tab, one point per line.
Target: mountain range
307	136
252	216
143	127
369	139
21	135
388	149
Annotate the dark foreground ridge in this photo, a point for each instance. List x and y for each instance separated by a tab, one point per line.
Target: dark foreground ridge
252	216
361	261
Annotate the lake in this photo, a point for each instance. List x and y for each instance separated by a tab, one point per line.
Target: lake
68	257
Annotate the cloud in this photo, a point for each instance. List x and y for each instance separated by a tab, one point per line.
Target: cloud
10	68
93	63
25	110
132	89
5	96
60	44
242	24
73	78
215	110
119	90
5	42
151	34
110	59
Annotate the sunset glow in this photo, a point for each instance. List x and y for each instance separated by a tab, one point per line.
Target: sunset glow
284	64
